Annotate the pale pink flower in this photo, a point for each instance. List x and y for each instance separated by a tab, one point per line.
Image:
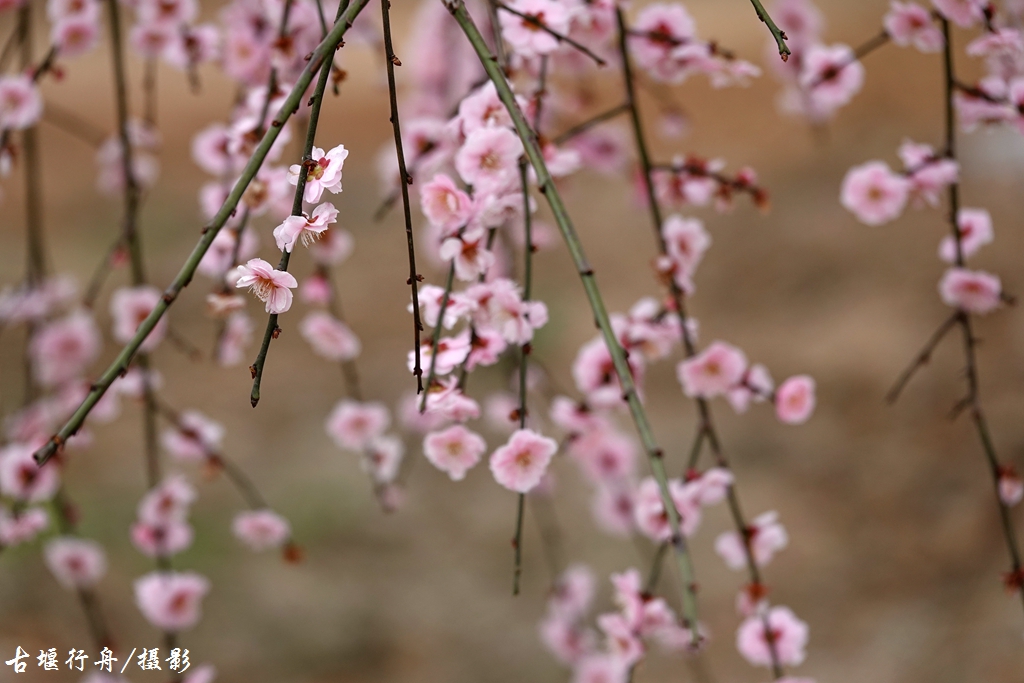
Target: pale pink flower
75	36
604	454
220	305
613	510
649	509
711	487
323	173
316	290
788	633
468	253
484	109
448	355
525	37
567	641
268	284
162	540
713	372
663	31
194	438
330	337
237	335
595	374
63	349
382	458
20	102
151	40
928	173
910	24
601	668
603	149
22	479
431	297
500	305
831	76
488	159
192	46
173	12
454	450
485	348
964	13
449	402
520	464
1011	487
801	20
261	529
23	527
572	593
444	204
975	232
575	417
167	502
621	638
757	386
767	537
795	400
75	562
130	306
306	228
171	601
62	9
972	291
352	425
874	194
210	150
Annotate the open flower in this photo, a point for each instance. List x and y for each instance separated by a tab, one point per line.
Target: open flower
526	36
520	464
715	371
323	172
972	291
268	284
795	400
171	601
306	228
261	529
874	194
454	450
76	562
788	633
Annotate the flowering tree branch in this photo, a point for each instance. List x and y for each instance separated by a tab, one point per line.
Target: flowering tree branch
120	365
778	34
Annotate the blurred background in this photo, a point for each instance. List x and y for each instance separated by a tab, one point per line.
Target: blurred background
895	556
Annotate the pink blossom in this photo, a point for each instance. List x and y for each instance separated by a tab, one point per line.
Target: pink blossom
352	425
604	454
567	641
1011	487
831	76
431	297
454	450
488	159
664	32
520	464
167	502
795	400
261	529
162	540
601	668
972	291
323	173
194	438
595	374
76	562
602	149
613	509
330	337
192	46
686	241
963	13
316	290
220	305
63	349
788	633
22	479
910	24
268	284
447	400
382	458
306	228
171	601
210	150
237	336
874	194
62	9
757	386
801	20
575	417
500	305
20	102
649	509
928	173
711	487
485	348
621	638
444	204
713	372
173	12
22	527
975	232
468	253
75	36
524	35
767	537
572	593
130	306
450	353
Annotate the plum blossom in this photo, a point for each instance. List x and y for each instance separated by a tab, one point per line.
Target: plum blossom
444	204
75	562
21	527
795	400
975	227
525	36
831	76
972	291
382	458
964	13
330	337
354	425
910	24
874	194
595	375
75	36
218	259
520	464
713	372
322	173
757	386
163	539
171	601
194	437
268	284
604	454
306	228
468	254
454	450
488	159
237	335
649	509
22	479
929	174
788	633
664	44
499	304
20	102
130	306
447	401
261	529
63	349
767	537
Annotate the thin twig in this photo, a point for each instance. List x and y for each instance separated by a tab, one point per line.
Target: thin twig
583	127
778	34
560	37
922	358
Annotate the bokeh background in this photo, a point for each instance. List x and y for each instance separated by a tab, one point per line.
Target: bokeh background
895	555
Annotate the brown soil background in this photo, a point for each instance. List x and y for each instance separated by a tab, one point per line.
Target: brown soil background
895	553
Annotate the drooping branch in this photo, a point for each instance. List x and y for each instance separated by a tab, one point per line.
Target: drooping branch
778	34
120	364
